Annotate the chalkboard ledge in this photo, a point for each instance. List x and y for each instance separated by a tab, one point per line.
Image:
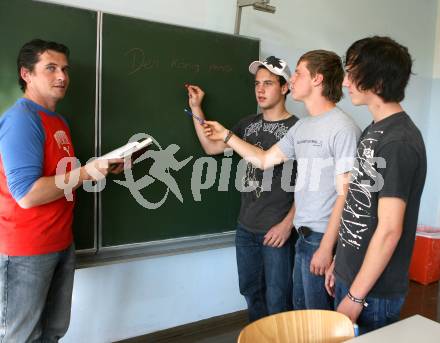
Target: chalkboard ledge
138	251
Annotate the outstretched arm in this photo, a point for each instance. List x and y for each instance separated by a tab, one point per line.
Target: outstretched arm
45	189
260	158
195	99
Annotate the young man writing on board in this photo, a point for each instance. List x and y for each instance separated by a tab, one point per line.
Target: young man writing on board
379	220
36	246
264	245
324	144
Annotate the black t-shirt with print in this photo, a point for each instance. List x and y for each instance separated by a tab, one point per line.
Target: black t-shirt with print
267	204
390	162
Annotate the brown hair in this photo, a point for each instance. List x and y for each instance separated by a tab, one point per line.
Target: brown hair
329	65
30	52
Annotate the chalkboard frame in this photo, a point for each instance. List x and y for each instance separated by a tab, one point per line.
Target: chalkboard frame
173	246
134	251
95	253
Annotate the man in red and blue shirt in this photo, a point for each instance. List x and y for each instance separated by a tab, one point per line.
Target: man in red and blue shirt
36	243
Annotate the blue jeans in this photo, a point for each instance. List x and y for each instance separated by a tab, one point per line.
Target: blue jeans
379	312
264	274
36	296
308	289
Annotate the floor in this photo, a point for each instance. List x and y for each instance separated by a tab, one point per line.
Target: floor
421	300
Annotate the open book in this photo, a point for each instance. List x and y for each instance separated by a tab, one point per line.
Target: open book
133	149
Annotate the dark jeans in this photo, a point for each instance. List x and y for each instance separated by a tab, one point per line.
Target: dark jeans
379	312
308	289
264	274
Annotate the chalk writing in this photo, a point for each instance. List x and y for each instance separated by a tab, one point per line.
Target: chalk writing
183	65
220	68
138	61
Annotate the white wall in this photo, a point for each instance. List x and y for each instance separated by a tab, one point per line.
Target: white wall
130	299
204	14
430	209
302	25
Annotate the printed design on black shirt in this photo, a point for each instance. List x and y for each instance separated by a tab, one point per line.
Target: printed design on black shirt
253	129
358	205
253	177
277	129
62	141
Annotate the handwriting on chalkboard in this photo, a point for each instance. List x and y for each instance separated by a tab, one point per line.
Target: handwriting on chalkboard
225	68
138	61
182	64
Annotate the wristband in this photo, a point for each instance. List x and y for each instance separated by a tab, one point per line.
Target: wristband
228	136
357	300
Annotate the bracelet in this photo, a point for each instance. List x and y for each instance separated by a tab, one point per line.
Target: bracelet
228	136
357	300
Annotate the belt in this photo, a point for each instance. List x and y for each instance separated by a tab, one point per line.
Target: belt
304	231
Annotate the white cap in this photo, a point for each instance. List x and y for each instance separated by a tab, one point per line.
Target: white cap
274	65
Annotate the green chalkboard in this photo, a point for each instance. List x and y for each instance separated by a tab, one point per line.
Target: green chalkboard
23	20
144	68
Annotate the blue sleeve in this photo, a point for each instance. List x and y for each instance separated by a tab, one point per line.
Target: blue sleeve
21	149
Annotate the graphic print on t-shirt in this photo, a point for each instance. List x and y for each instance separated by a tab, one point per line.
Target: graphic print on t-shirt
279	130
62	141
253	177
365	178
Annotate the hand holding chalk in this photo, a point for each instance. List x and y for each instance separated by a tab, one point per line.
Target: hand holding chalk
195	95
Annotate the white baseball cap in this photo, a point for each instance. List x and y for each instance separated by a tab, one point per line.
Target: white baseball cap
274	65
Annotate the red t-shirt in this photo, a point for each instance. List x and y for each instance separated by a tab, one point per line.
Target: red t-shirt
45	228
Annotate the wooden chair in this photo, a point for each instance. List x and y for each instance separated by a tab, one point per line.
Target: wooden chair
316	326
